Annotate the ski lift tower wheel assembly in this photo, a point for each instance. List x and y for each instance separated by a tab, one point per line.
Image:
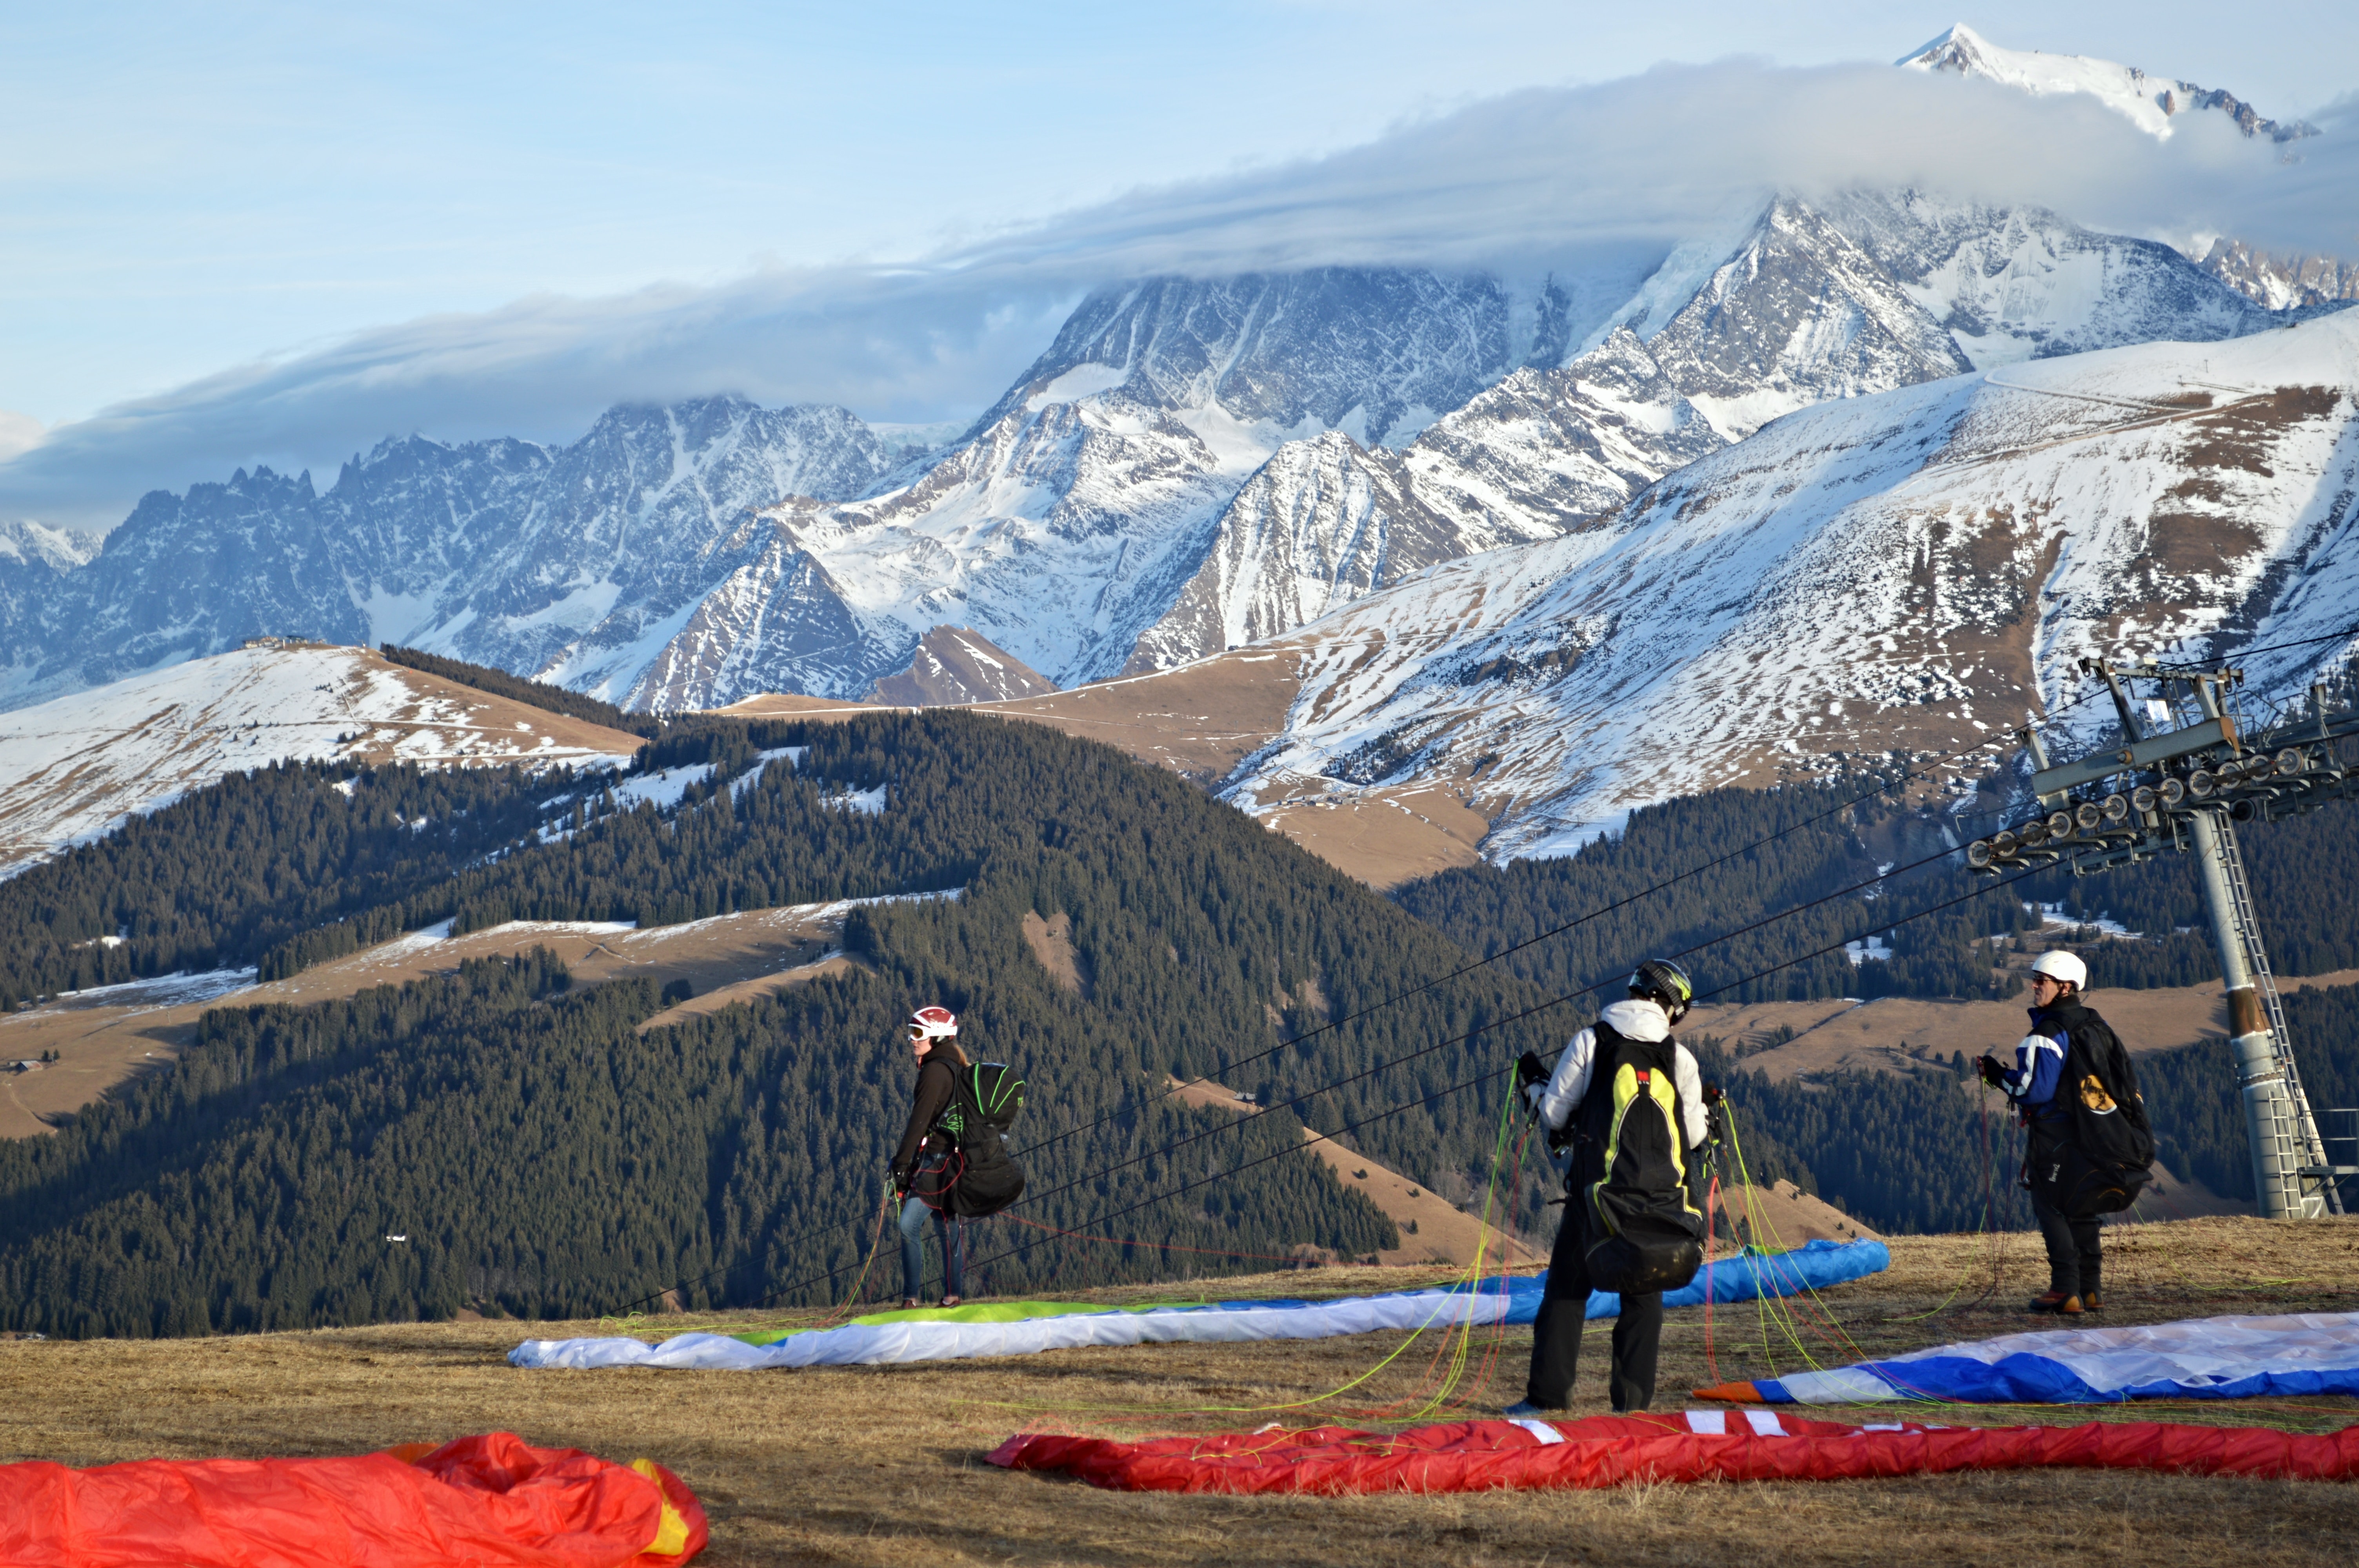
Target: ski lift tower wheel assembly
2184	789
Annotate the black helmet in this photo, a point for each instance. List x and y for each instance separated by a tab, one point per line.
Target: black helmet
1659	979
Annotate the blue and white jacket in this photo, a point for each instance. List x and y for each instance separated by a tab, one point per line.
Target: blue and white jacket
2038	1068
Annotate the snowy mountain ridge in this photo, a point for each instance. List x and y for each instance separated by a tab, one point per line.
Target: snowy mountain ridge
1191	463
504	552
1913	569
2151	103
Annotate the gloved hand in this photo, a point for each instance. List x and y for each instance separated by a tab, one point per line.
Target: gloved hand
1993	1074
1715	1125
1530	1071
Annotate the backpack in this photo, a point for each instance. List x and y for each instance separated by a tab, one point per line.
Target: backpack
2107	1150
1640	1232
986	1100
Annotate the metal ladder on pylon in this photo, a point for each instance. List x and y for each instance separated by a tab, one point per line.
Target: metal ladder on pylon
2294	1129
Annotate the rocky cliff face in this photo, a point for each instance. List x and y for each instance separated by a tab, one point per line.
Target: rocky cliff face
2282	282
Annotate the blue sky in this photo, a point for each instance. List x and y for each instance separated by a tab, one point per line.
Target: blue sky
189	191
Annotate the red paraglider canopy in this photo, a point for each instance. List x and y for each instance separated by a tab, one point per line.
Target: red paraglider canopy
492	1500
1696	1445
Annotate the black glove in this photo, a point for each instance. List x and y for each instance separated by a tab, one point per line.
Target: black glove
1715	1126
1530	1070
1993	1074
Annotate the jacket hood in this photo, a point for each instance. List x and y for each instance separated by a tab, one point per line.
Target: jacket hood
2065	1012
1637	1020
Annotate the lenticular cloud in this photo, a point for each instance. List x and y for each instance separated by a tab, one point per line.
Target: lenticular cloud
1557	180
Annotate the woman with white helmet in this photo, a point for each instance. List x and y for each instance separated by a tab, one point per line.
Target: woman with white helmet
2069	1070
925	1168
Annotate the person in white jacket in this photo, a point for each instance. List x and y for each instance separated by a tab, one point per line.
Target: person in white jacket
1659	994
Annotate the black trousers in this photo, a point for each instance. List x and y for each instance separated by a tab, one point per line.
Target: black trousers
1564	1309
2075	1247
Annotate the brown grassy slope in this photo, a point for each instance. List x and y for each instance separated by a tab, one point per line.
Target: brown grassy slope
883	1465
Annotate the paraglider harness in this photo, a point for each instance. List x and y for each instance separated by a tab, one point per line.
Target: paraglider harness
1628	1180
980	1176
2098	1153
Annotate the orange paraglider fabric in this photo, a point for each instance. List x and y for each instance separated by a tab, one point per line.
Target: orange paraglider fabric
492	1500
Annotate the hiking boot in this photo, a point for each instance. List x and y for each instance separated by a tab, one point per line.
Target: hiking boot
2091	1304
1524	1410
2064	1304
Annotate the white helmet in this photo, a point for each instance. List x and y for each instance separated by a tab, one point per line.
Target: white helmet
2058	965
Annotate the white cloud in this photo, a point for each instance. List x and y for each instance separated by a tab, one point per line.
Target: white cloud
19	433
1525	180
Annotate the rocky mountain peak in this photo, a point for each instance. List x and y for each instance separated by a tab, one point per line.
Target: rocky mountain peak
960	665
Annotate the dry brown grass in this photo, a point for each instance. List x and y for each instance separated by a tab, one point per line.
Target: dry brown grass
884	1466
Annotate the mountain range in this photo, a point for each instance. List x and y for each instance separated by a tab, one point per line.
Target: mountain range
1194	464
1190	465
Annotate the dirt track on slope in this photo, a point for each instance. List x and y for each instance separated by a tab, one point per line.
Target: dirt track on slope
1907	1033
730	958
883	1465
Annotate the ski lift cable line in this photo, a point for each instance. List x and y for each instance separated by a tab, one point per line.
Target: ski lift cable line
1426	1098
1918	770
2345	635
1424	1051
1884	875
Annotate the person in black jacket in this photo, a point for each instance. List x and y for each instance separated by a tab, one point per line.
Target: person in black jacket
2038	1085
1577	1097
924	1168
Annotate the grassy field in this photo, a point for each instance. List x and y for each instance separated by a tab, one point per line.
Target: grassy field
883	1466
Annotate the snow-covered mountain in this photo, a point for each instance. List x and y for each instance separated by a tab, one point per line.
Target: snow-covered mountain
1192	463
1135	500
2149	102
2155	105
1912	569
33	556
73	769
1084	503
1862	295
537	559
